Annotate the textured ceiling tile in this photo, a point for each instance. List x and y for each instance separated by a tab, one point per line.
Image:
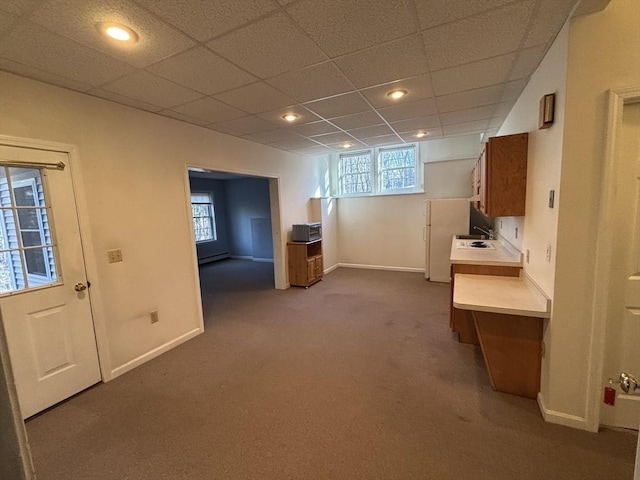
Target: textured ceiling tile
114	97
385	63
420	108
146	87
268	47
182	117
469	99
512	90
340	26
339	106
17	7
313	151
333	138
431	134
7	20
467	127
217	127
527	62
77	19
294	143
383	140
32	72
487	35
353	145
275	116
503	108
272	136
436	12
206	19
548	21
417	88
210	110
497	122
315	128
255	98
202	70
368	132
311	83
247	125
364	119
470	115
34	47
420	123
482	73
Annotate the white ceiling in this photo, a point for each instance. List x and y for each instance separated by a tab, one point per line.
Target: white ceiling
236	66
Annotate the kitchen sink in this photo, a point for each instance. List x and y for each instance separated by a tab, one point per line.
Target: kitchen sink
471	237
474	244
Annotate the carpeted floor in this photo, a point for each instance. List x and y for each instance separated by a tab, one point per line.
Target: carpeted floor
357	377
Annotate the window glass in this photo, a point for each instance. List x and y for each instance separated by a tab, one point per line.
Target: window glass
355	173
397	169
204	225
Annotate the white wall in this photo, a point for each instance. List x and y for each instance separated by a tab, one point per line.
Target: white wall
133	165
325	211
449	179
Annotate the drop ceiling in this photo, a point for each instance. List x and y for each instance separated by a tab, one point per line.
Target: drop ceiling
237	66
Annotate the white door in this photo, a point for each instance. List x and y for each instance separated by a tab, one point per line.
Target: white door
45	306
623	317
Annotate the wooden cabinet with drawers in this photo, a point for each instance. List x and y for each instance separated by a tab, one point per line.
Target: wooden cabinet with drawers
305	263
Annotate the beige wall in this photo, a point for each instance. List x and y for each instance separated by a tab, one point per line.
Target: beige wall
133	167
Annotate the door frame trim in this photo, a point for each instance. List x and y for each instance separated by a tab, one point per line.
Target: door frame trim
616	100
86	241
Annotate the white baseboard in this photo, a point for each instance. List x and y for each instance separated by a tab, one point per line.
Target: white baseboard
213	258
241	257
122	369
263	260
381	267
331	268
560	418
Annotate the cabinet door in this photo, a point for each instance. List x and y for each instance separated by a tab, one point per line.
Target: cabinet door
311	270
319	267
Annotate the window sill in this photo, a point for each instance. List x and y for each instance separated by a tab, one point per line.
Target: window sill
389	194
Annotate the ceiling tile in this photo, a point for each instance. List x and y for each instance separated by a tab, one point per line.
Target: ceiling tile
368	132
315	128
338	106
282	47
469	99
77	19
182	117
37	74
436	12
114	97
383	140
284	3
403	111
469	115
340	27
548	20
503	108
217	127
466	127
431	134
149	88
487	35
353	145
527	62
275	116
512	90
333	138
247	125
497	122
418	87
311	83
206	19
272	136
35	47
202	70
17	7
385	63
313	151
294	143
7	20
428	123
210	110
255	98
482	73
363	119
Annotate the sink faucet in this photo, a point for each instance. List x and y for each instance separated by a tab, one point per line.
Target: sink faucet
489	232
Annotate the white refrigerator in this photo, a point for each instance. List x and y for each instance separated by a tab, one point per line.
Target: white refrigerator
444	218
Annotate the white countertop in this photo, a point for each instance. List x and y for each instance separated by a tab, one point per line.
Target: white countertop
502	255
497	294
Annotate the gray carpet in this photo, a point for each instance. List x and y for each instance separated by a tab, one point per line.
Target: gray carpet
357	377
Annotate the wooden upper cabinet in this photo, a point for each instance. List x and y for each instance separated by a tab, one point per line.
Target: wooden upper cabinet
502	172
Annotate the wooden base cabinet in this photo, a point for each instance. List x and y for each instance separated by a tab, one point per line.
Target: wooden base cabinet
305	263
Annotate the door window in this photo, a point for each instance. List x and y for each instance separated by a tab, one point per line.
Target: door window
27	258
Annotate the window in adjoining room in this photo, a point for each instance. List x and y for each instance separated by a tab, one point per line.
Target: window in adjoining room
204	224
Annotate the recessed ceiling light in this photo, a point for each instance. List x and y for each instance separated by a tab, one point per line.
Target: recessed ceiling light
290	117
118	32
347	145
422	134
396	94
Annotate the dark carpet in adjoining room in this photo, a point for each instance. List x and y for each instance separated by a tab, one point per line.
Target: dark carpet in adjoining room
357	377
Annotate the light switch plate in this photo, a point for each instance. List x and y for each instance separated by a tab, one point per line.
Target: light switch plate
114	255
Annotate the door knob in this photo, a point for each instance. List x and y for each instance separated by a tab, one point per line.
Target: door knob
79	287
628	382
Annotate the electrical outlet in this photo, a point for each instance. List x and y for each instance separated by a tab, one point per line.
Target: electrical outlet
516	232
549	253
154	316
527	256
114	255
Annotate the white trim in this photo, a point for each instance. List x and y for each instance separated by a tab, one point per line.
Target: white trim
331	269
145	357
603	253
560	418
241	257
381	267
263	260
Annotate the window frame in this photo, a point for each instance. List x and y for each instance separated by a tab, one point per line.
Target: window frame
375	159
211	216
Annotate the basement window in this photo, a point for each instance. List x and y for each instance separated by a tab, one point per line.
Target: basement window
204	220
